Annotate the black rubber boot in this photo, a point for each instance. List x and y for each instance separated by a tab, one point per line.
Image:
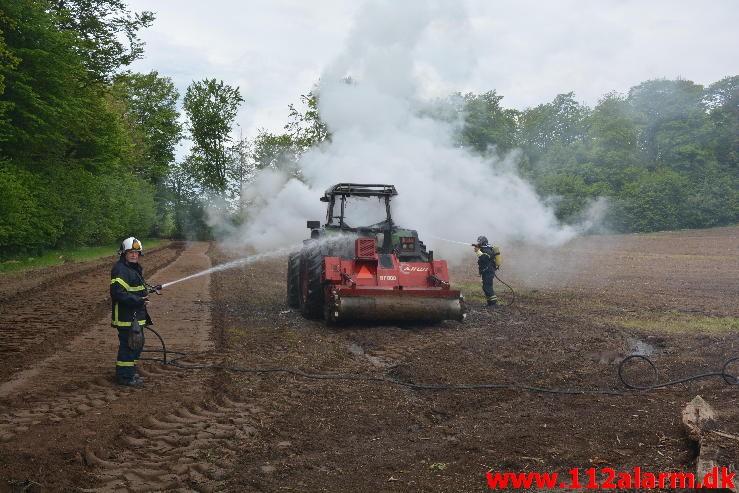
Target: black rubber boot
130	382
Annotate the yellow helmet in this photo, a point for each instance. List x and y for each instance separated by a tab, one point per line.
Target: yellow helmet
131	243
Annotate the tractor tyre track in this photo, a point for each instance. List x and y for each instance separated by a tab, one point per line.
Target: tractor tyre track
190	447
44	318
72	392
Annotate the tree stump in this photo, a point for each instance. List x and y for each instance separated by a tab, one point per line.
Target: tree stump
714	446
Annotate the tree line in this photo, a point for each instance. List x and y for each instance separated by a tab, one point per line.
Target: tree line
88	148
662	157
84	147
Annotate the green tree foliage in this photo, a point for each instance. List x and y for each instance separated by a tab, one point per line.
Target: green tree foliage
657	201
45	107
712	198
276	151
188	210
568	193
87	151
722	101
306	129
656	154
240	173
557	124
716	199
66	160
211	107
25	225
665	154
147	104
666	111
150	111
612	133
99	28
487	125
8	62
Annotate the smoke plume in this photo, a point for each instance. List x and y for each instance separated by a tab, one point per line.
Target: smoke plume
395	62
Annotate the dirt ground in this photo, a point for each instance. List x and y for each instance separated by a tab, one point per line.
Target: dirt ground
578	311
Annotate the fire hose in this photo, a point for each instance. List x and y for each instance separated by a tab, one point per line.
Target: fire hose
177	356
513	292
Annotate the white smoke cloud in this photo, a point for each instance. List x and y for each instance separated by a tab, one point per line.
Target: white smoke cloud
379	136
279	208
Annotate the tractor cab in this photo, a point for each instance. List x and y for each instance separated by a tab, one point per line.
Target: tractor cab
363	211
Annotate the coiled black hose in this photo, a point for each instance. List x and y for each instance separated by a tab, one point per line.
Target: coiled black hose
724	373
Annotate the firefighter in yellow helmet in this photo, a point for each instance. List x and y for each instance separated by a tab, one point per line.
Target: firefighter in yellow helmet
129	295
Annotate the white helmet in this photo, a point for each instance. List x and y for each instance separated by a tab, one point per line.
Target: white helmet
131	243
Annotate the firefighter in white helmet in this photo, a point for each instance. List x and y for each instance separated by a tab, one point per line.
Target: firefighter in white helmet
129	294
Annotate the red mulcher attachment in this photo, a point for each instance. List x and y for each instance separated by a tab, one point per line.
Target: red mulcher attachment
376	286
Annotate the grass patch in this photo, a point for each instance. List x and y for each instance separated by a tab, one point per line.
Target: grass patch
473	291
236	332
292	337
679	322
466	286
470	291
58	257
672	321
236	336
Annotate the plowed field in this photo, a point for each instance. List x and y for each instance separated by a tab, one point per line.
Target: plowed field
578	311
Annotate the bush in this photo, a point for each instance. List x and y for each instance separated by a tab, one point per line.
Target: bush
67	207
26	224
657	201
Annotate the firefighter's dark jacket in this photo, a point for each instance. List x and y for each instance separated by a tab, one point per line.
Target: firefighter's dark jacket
127	291
485	262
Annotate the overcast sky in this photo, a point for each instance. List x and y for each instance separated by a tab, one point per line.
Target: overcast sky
528	51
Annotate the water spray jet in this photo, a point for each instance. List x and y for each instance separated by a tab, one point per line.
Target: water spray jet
465	243
234	263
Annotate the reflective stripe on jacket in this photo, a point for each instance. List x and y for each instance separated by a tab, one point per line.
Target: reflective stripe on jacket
127	291
485	259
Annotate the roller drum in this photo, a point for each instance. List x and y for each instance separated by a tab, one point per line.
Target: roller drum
383	307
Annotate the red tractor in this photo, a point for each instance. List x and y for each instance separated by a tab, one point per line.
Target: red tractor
346	272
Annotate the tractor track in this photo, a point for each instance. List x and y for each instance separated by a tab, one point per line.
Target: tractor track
16	285
69	388
387	347
39	320
54	400
190	447
390	346
35	281
56	408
